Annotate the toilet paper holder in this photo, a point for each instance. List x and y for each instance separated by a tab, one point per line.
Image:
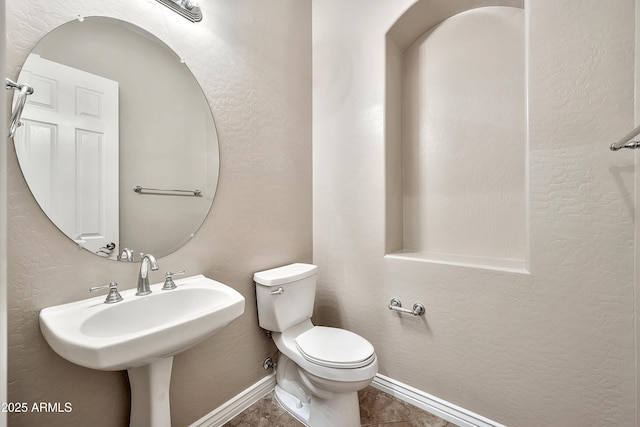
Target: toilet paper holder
396	305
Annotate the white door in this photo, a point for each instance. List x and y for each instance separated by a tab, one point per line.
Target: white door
68	150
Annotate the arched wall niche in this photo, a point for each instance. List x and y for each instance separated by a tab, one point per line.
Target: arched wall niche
426	14
456	134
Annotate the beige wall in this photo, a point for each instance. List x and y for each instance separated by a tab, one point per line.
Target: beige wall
551	348
637	186
3	231
253	60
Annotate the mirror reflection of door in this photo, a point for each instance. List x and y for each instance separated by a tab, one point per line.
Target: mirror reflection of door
68	150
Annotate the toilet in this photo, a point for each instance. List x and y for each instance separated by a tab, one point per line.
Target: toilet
320	369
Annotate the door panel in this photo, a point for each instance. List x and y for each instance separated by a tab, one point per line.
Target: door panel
69	144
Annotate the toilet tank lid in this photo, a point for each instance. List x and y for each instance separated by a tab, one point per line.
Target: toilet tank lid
285	274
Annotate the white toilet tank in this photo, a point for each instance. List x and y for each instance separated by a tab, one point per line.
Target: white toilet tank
285	295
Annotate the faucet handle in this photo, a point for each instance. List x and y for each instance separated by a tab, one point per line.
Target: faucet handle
113	296
168	280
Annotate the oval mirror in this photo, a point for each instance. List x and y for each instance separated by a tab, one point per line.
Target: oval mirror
117	144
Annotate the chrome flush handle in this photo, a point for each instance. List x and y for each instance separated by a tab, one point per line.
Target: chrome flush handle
278	291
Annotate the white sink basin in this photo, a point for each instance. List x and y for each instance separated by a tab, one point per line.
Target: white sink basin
140	329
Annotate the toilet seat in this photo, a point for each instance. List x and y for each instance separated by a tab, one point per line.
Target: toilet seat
335	348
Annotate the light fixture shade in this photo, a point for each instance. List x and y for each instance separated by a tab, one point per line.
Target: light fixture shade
186	8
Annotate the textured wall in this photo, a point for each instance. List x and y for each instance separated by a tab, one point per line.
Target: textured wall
253	60
3	232
637	186
550	348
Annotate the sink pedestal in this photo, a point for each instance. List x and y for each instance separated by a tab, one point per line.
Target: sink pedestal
150	394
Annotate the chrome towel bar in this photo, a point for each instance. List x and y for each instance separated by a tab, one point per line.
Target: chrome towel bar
626	142
18	106
396	305
140	190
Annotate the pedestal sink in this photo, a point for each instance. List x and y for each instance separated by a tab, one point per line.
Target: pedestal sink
141	334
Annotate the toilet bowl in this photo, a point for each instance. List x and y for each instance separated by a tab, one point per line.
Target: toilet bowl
320	369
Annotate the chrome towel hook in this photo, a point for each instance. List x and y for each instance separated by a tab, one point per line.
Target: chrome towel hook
396	305
18	106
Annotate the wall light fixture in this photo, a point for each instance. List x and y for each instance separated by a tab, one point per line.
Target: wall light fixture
187	8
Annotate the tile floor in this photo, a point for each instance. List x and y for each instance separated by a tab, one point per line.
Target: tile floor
377	409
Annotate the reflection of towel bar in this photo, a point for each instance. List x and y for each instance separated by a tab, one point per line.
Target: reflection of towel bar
139	189
23	91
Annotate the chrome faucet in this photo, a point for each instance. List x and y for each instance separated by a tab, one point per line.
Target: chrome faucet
143	277
126	255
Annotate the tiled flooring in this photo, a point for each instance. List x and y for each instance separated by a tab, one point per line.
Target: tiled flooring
377	409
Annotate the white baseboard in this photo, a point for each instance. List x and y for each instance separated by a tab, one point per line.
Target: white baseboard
443	409
237	404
